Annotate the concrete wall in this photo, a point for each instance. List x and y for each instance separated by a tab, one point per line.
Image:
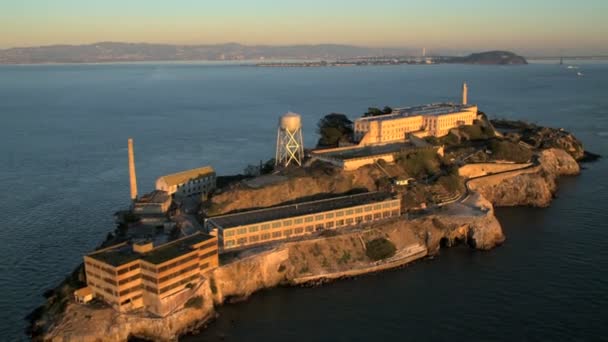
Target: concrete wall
483	169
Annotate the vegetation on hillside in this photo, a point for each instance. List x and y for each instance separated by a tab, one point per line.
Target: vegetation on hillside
419	163
379	249
373	111
507	150
334	129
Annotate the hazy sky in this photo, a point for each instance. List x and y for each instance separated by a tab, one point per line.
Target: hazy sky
530	25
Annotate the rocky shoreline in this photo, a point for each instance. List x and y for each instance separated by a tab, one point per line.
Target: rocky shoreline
323	258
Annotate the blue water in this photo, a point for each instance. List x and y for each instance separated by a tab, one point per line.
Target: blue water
63	172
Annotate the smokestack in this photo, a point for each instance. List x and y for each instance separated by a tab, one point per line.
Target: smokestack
465	94
132	178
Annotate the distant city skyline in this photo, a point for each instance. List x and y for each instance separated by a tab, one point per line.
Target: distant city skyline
527	27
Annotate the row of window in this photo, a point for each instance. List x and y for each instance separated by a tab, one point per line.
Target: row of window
229	243
129	290
127	269
179	283
130	279
94	275
177	263
308	219
109	271
178	273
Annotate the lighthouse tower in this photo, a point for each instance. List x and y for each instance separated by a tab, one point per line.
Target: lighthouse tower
465	93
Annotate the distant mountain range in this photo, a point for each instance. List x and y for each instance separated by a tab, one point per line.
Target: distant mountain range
133	52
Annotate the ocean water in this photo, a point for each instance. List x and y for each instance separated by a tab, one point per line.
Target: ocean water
63	172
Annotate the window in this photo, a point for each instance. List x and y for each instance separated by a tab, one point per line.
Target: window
386	214
359	210
310	228
298	221
242	230
386	205
319	218
319	226
287	232
329	224
377	206
286	223
254	238
276	235
265	236
308	219
276	224
339	223
350	212
253	229
241	241
329	215
228	233
339	213
349	220
298	230
368	208
377	216
266	226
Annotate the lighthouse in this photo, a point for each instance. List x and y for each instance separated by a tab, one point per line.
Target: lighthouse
465	94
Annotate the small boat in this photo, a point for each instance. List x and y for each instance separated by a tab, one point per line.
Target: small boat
579	74
572	67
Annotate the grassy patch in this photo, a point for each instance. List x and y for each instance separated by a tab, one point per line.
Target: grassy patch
507	150
379	249
344	258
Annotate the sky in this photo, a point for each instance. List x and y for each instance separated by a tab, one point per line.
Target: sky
532	26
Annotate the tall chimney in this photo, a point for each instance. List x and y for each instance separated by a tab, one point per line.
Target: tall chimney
132	178
465	94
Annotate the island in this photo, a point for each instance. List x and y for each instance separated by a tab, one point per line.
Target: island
389	188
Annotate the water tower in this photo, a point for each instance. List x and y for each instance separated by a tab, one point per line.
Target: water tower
290	148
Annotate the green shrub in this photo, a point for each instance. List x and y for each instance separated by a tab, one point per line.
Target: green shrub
507	150
344	258
419	163
379	249
194	302
452	183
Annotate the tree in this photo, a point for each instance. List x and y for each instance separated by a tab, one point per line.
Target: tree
333	129
373	111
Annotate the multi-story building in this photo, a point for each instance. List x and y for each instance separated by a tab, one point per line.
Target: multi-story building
278	223
158	279
434	119
200	181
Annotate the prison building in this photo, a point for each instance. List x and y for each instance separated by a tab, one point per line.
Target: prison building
158	279
195	182
433	119
283	222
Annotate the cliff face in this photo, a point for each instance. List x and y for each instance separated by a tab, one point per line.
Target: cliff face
534	186
312	260
240	196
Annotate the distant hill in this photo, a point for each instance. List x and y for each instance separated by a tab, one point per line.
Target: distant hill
117	52
136	52
491	57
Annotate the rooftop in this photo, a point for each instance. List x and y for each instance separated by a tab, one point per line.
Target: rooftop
299	209
424	110
365	151
123	253
154	197
184	176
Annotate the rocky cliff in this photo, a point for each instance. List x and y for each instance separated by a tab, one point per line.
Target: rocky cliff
532	186
312	260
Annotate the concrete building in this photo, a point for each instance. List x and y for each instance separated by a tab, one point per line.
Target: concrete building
158	279
156	202
279	223
433	119
195	182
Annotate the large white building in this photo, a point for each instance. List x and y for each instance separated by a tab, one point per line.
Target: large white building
195	182
433	119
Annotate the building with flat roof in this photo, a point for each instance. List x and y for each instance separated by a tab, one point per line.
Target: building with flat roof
158	279
278	223
156	202
199	181
434	119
